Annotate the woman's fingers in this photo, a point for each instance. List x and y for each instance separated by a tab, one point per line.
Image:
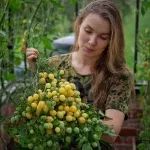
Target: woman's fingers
32	50
32	54
32	58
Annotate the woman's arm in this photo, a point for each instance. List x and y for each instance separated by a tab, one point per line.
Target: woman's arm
117	103
116	121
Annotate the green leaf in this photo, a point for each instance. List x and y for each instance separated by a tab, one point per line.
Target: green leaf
9	76
145	6
101	113
143	11
15	5
3	34
73	1
56	3
87	146
46	43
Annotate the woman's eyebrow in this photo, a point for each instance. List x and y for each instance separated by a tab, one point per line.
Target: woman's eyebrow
105	34
88	26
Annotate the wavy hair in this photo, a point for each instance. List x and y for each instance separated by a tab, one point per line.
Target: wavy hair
112	61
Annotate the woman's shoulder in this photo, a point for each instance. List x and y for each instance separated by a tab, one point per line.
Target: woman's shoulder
58	59
125	76
121	91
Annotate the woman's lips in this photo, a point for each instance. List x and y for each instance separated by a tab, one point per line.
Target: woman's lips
88	49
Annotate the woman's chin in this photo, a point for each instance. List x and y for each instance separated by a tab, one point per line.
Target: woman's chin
87	53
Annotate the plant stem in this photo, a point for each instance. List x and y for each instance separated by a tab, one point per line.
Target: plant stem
3	16
38	6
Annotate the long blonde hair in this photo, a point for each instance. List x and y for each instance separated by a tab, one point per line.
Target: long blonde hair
112	61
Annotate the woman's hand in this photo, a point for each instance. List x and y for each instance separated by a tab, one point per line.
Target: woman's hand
32	55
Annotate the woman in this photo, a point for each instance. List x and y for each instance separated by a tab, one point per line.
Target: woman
97	64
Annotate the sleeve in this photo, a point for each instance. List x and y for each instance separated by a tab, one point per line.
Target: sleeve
58	60
120	94
52	63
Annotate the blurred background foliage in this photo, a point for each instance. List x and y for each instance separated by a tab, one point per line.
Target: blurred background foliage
37	23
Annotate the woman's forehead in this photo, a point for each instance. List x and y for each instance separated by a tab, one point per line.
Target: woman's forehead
96	22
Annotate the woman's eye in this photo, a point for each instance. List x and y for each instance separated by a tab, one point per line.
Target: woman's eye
87	31
104	38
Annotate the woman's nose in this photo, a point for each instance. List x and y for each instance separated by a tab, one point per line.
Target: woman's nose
93	40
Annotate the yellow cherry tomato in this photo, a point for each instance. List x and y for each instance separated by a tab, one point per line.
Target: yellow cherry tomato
81	120
42	81
52	112
73	108
51	76
62	98
34	105
57	130
69	118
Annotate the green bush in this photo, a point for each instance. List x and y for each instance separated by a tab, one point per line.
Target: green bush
144	74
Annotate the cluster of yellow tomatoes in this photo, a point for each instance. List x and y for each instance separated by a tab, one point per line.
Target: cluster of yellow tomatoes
54	116
57	99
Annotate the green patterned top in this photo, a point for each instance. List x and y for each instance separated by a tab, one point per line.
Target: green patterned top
119	88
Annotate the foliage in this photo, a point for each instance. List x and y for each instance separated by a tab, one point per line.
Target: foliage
27	23
144	55
125	7
145	133
144	74
145	6
52	109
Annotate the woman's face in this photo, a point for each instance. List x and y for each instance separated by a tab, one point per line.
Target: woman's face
94	36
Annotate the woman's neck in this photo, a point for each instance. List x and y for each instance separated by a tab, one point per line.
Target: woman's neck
83	60
81	64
